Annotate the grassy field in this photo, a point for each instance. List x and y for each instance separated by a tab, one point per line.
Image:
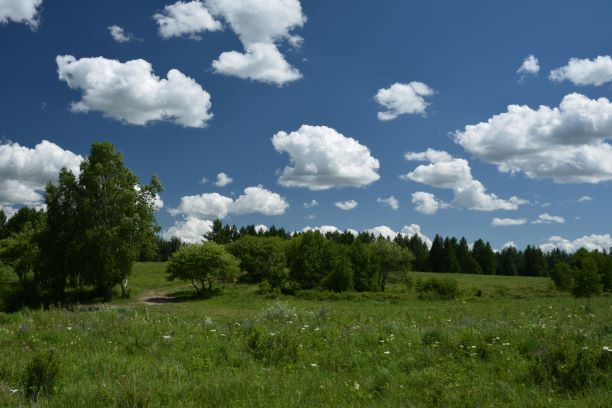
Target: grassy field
508	341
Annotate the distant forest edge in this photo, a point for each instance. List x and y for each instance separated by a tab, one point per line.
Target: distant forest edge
98	223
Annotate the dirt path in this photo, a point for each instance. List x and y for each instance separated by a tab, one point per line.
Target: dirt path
154	298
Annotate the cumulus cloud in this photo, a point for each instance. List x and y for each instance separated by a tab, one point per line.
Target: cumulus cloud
131	93
427	203
392	202
119	34
585	71
261	62
590	242
407	231
548	219
382	230
402	99
508	222
260	229
259	200
566	144
261	25
585	198
530	66
311	204
321	158
223	180
324	229
214	205
445	171
185	19
347	205
191	230
8	210
509	244
24	172
20	11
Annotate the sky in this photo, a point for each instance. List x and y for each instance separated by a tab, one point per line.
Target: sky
479	119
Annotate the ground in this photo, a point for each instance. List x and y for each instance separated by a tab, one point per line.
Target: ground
519	343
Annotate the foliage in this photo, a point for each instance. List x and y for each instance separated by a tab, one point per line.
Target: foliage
202	265
563	276
261	259
20	252
438	288
96	224
391	257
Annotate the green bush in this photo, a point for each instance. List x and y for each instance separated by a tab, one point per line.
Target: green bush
437	288
41	374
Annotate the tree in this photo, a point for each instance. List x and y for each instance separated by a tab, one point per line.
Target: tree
97	225
3	230
436	254
222	234
366	267
509	261
534	263
308	258
261	259
563	276
202	265
484	255
450	262
391	258
20	252
587	281
420	252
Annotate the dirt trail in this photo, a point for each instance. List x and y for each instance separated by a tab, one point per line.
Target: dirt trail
154	298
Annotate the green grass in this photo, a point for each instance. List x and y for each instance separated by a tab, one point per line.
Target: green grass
519	344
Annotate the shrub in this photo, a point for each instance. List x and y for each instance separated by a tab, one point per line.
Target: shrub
438	288
272	348
41	374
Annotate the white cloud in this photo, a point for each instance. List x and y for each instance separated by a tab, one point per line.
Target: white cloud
585	198
261	62
311	204
207	205
214	205
259	200
402	99
131	93
223	180
261	229
8	210
119	34
566	143
382	230
24	172
548	219
323	229
260	25
347	205
590	242
445	171
185	19
585	71
509	244
191	230
530	66
427	203
20	11
392	202
414	229
508	222
321	158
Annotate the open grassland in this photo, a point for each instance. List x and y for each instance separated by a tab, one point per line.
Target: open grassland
508	341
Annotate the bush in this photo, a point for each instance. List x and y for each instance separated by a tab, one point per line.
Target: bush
272	348
41	374
438	288
567	368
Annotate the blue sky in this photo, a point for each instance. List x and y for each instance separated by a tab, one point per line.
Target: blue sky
454	63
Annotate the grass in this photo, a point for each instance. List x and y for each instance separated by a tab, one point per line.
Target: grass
519	344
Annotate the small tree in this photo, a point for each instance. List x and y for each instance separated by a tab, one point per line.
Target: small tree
563	276
392	258
203	264
587	281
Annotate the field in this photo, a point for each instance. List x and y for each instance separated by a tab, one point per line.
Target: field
508	341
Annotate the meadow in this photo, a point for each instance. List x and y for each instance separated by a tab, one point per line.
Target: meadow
506	341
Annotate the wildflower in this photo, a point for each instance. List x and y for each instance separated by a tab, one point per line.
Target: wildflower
356	386
14	390
387	352
505	344
315	365
68	328
213	330
167	337
608	349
